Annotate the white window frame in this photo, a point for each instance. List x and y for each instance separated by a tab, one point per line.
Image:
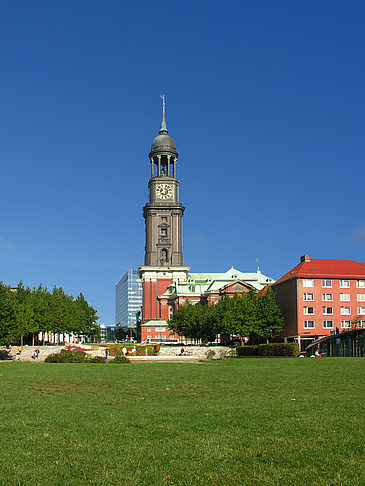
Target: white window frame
361	311
306	310
325	310
361	323
308	294
360	297
325	281
347	299
326	326
325	297
308	282
346	324
343	313
344	285
306	326
360	284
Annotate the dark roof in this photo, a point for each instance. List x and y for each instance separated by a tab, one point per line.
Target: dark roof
317	268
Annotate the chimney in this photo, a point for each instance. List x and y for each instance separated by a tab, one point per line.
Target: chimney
305	258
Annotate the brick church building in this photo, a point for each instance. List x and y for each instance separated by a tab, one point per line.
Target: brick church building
167	283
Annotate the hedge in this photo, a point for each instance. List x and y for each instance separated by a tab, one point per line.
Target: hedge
274	349
67	356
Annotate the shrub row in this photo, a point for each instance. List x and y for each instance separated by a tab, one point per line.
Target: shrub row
152	350
66	356
274	349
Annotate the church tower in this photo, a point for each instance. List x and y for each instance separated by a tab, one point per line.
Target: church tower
163	218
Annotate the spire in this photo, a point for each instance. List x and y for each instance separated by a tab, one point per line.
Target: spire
163	128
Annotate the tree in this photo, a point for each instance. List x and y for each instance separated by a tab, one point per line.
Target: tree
8	329
270	323
249	314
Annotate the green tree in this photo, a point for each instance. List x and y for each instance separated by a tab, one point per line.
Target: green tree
270	322
9	331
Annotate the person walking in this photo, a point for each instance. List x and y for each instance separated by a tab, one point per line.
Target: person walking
37	352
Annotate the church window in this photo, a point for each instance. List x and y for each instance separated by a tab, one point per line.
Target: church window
164	255
163	231
164	219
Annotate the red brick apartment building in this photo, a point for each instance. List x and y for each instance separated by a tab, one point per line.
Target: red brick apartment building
319	296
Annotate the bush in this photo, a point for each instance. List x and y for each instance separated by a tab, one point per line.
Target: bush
247	350
96	359
120	360
209	355
67	357
274	349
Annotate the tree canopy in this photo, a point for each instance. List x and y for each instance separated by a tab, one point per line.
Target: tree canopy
249	314
26	311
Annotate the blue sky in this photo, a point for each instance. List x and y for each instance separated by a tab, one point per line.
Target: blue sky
265	102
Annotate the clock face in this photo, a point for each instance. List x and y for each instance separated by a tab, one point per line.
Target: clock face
163	191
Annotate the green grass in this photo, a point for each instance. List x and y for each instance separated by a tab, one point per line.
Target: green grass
234	422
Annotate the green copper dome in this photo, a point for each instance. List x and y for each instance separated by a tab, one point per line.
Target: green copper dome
163	143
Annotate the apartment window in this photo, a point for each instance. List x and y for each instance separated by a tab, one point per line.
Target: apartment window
345	297
361	311
345	311
327	296
326	283
327	324
148	337
361	323
345	324
327	310
308	324
308	296
308	310
308	282
360	284
361	297
345	284
148	329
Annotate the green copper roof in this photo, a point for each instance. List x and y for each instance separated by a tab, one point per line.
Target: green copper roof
198	283
156	322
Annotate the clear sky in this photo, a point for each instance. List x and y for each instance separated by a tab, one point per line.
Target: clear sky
265	102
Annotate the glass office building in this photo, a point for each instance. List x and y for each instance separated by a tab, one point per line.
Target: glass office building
128	299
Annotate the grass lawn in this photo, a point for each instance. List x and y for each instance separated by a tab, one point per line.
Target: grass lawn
233	422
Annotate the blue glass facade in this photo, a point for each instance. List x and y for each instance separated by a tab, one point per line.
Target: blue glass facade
128	299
